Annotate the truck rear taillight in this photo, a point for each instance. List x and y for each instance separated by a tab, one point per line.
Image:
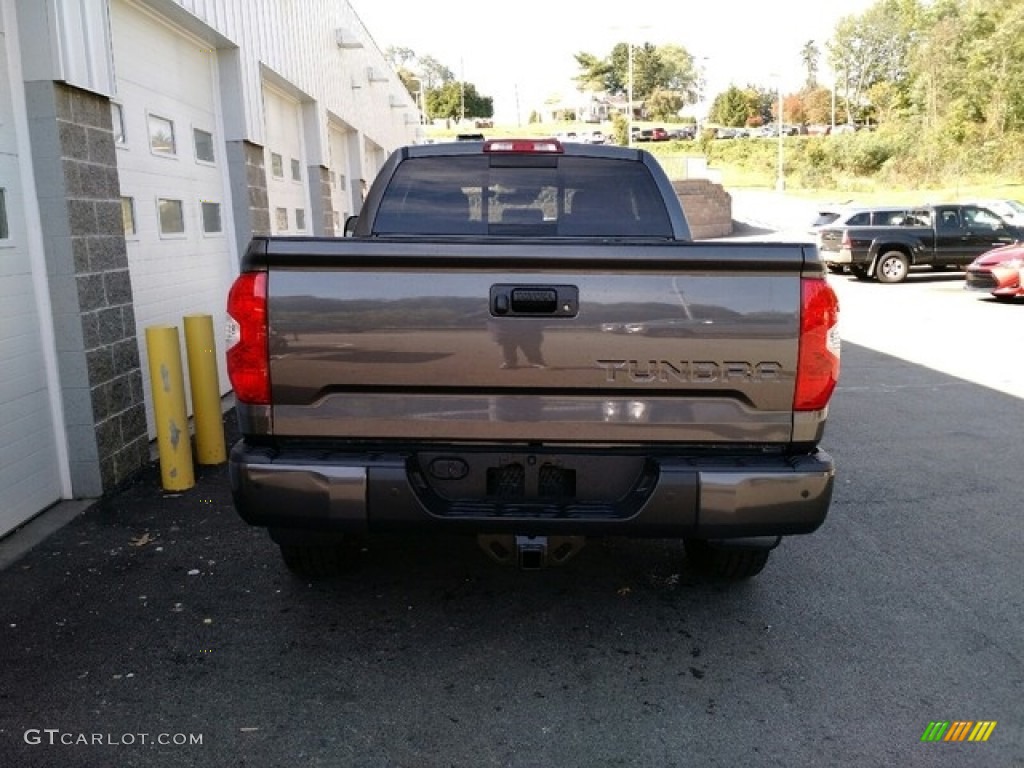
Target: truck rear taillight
247	349
817	370
846	242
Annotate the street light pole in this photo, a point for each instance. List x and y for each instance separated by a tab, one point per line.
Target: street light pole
420	101
629	98
701	110
780	182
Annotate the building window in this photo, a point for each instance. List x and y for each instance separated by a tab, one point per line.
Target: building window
128	215
277	165
300	219
204	145
296	170
337	222
172	216
117	122
282	219
341	181
333	177
161	136
211	218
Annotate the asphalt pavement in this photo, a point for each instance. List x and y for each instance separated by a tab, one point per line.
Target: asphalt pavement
157	629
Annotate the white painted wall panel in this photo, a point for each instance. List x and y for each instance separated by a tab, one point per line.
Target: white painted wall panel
29	471
297	40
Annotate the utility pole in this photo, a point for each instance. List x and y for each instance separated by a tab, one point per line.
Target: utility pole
780	182
629	97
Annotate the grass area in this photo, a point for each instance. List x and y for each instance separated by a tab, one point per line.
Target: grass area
815	168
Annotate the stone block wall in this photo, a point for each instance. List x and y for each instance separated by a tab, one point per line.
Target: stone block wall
90	285
708	207
249	197
320	203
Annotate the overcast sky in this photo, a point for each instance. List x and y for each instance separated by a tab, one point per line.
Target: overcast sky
521	52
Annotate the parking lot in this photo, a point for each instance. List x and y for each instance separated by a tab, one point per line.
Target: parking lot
164	615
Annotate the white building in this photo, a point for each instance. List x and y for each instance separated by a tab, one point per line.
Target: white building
142	143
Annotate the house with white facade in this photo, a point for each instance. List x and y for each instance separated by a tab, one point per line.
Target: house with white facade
142	144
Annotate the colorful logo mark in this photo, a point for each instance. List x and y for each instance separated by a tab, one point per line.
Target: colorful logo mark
958	730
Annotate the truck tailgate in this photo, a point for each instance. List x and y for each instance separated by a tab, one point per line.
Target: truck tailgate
608	342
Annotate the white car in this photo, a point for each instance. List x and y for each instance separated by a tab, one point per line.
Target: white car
1010	211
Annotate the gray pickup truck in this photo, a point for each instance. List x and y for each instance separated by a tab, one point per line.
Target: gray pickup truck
520	341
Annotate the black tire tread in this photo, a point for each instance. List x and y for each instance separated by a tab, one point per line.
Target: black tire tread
726	563
315	561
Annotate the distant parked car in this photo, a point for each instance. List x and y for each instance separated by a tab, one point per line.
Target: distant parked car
1010	211
685	133
645	135
997	272
831	219
659	134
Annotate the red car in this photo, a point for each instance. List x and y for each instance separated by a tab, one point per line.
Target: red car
659	134
997	272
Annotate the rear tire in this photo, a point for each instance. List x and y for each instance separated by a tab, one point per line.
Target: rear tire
861	273
725	563
892	267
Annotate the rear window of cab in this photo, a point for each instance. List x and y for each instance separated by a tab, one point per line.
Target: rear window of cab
522	195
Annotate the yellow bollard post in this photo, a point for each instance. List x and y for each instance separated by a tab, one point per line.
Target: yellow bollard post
168	387
205	388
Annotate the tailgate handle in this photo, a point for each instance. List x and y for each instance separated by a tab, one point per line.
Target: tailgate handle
534	300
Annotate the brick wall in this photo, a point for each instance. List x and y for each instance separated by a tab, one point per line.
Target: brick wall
708	207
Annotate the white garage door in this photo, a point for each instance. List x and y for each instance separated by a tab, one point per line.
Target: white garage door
172	168
29	476
285	163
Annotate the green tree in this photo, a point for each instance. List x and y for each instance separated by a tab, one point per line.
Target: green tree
760	104
666	67
593	72
679	72
434	73
994	56
809	55
414	86
817	105
731	107
664	104
455	100
398	57
874	46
